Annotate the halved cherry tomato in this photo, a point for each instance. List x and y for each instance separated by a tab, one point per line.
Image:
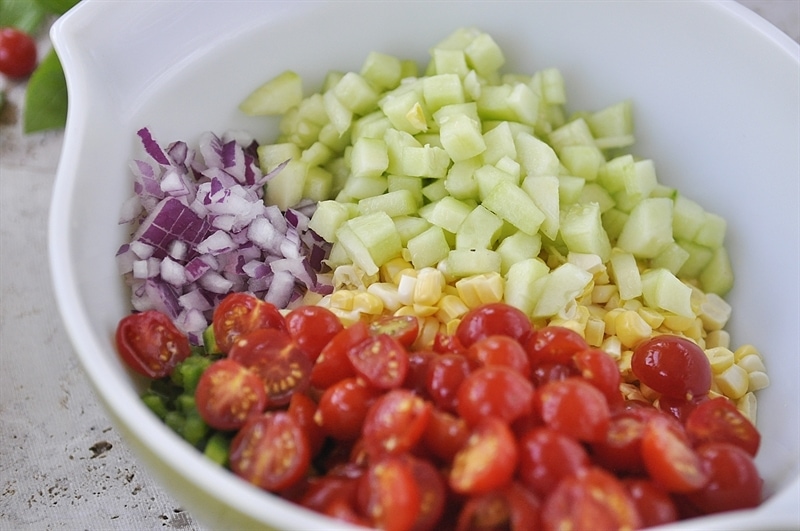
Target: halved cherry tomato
150	344
333	365
493	319
381	360
494	391
228	393
718	420
552	372
303	409
590	499
271	451
447	344
574	407
432	494
419	362
672	365
546	456
274	356
669	458
445	434
500	350
599	369
487	461
621	449
312	327
445	374
680	408
404	328
388	494
343	408
326	494
514	508
554	344
654	505
239	314
733	480
395	423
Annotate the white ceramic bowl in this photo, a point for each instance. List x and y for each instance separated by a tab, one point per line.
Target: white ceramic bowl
715	90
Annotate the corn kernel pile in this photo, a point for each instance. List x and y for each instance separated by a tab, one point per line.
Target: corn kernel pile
599	314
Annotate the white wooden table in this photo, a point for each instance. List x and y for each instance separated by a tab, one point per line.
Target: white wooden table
62	465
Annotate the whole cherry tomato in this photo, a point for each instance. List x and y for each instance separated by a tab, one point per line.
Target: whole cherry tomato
493	319
17	53
500	350
673	366
150	344
554	345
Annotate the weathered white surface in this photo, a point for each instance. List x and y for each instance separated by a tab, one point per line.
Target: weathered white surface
62	465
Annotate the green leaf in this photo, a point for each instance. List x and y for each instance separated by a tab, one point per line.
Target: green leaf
58	7
21	14
46	96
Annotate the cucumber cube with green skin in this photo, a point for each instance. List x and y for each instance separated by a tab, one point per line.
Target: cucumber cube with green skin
274	97
460	180
563	284
397	203
625	271
442	89
318	185
467	262
448	213
270	156
517	247
663	290
285	188
499	143
488	176
544	192
356	94
327	219
672	258
428	248
379	235
479	230
340	116
356	250
687	218
717	276
512	204
461	137
410	226
523	284
582	231
582	161
648	229
535	156
382	70
425	161
493	103
712	231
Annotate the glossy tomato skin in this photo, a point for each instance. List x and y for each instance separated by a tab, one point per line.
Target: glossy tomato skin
546	457
513	507
343	408
718	420
554	345
273	355
490	319
654	505
388	494
239	314
303	409
333	364
621	449
494	391
574	407
150	344
419	362
312	327
445	375
487	461
673	366
17	53
733	479
228	394
432	494
445	435
599	369
271	451
499	350
395	423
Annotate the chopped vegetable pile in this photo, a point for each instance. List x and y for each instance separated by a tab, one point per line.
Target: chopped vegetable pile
438	301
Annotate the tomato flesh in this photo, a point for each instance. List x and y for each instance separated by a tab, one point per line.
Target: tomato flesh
381	360
239	314
150	344
228	393
395	423
487	461
312	327
718	420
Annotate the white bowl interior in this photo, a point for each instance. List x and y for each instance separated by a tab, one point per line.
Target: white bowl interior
715	92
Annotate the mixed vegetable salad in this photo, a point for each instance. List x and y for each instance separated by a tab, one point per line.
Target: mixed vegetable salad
438	301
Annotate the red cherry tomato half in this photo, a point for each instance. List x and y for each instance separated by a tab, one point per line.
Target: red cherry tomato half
271	451
432	493
303	409
546	456
574	407
554	345
228	393
447	344
333	364
419	362
621	449
673	366
343	408
445	435
590	499
239	314
718	420
277	360
500	350
388	494
494	391
445	374
381	360
493	319
327	494
150	344
312	327
669	458
395	423
733	481
404	328
17	53
654	505
487	461
599	369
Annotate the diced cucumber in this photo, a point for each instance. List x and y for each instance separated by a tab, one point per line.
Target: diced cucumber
523	284
397	203
372	125
563	284
594	193
687	218
574	133
317	154
404	182
499	143
672	258
379	235
613	121
717	276
355	249
396	140
536	156
467	262
434	191
276	96
511	203
340	116
614	174
448	213
442	89
461	137
410	226
382	70
582	231
480	229
405	108
285	188
356	94
327	219
358	187
517	247
712	231
663	290
449	62
318	185
544	192
460	181
488	176
493	103
614	220
270	156
425	161
569	189
369	157
582	161
648	229
698	258
484	55
625	271
428	248
511	167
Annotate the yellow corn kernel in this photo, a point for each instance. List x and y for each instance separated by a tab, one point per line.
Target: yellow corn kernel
632	392
480	289
714	312
632	304
594	331
720	359
718	338
451	307
624	364
347	317
630	328
387	293
342	299
748	406
602	277
422	310
367	303
405	288
610	320
572	324
429	285
750	363
744	350
405	310
652	317
733	382
613	347
695	332
451	326
677	323
613	302
602	294
389	272
648	392
757	380
428	328
714	393
449	289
